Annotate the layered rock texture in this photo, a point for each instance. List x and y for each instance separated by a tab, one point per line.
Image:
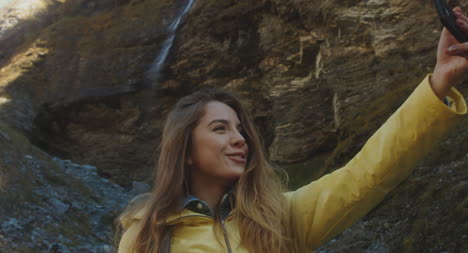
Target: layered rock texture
319	76
53	205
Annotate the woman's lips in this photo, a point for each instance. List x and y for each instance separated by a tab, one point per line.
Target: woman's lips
237	158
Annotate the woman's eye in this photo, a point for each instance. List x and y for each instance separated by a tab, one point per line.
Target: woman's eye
219	128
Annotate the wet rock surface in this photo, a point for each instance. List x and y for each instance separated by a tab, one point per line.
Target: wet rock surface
54	205
427	213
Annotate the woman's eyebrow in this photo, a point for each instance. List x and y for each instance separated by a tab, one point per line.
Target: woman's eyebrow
219	121
226	122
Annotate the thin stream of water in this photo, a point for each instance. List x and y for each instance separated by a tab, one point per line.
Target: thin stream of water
154	72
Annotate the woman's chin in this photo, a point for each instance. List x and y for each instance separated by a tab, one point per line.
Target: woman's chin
234	173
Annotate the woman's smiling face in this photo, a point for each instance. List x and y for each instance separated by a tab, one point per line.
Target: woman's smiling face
218	151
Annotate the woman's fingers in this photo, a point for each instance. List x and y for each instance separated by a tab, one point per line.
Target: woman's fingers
460	15
458	50
462	20
457	9
446	40
463	25
464	55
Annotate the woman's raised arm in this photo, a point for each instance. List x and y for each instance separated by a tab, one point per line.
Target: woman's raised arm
324	208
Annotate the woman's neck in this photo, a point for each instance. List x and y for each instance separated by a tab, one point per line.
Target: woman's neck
207	189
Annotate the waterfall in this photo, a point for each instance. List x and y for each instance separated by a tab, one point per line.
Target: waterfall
154	72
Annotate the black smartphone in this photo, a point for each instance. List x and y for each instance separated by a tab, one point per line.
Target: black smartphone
448	20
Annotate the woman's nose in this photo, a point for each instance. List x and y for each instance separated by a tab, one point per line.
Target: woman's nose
238	139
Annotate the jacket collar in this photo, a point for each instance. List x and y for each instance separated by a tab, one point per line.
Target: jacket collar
190	207
196	205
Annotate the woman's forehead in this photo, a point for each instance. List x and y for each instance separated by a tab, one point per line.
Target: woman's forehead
219	111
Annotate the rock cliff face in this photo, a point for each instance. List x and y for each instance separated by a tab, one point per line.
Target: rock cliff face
319	77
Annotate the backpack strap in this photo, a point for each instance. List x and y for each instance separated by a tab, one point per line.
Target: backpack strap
165	246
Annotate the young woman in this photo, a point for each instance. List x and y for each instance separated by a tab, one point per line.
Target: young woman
215	192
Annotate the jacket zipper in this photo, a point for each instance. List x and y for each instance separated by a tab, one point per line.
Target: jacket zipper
226	239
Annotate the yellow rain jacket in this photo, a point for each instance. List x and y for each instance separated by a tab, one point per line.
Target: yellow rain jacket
324	208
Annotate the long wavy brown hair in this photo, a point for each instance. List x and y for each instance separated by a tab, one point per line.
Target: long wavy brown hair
260	206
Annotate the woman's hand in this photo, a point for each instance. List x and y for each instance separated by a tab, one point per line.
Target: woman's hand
452	59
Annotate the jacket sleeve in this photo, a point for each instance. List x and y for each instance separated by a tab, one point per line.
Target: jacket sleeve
324	208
